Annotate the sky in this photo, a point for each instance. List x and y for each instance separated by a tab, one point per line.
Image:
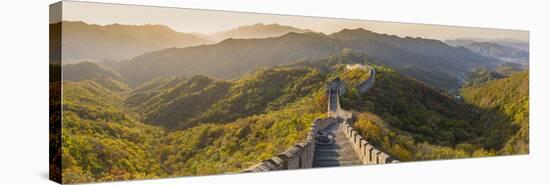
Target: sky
206	21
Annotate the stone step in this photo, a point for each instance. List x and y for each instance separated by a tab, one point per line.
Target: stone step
335	142
338	153
335	163
335	158
333	152
334	147
328	147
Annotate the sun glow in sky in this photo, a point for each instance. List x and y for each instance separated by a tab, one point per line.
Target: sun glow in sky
206	21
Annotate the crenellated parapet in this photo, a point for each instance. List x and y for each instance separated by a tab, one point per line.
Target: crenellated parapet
297	156
366	152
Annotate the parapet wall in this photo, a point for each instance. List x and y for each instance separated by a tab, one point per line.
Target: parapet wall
297	156
366	85
367	153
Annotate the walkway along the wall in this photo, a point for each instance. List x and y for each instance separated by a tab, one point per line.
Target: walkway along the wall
302	155
298	156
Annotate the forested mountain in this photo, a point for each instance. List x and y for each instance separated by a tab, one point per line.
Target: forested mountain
414	107
234	146
258	30
201	99
510	68
106	138
351	56
108	78
227	59
101	142
504	108
480	76
495	50
231	58
412	121
82	41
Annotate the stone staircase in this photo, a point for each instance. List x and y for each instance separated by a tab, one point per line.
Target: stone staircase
339	152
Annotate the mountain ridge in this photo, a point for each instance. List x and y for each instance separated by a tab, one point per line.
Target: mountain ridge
258	30
92	42
233	57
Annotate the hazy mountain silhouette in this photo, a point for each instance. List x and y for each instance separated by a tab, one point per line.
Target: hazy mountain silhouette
515	43
258	30
82	41
233	57
510	52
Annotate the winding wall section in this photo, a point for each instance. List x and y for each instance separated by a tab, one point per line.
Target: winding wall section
309	153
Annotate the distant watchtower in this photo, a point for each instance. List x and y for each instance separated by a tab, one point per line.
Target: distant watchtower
356	66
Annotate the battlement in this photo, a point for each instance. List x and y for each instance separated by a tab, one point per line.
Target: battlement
297	156
367	153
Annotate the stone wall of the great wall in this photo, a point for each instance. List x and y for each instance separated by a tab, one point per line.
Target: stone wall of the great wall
366	85
297	156
367	153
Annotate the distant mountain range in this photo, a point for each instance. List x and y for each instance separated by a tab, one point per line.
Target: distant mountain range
258	30
98	43
507	50
231	58
145	52
518	44
82	41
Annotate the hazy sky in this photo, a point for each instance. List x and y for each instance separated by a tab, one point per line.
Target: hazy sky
204	21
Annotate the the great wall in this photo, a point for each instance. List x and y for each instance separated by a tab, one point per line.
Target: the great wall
345	146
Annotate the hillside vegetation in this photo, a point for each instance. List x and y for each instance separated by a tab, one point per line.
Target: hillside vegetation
412	121
412	106
504	108
105	137
104	76
185	103
101	142
231	147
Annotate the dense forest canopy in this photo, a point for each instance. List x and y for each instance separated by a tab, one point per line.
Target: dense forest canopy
157	131
413	121
504	109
